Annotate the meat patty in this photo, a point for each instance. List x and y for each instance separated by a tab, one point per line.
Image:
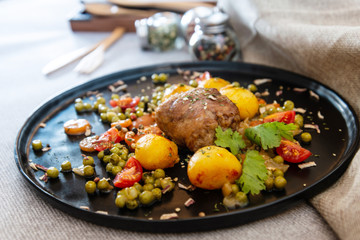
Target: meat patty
190	118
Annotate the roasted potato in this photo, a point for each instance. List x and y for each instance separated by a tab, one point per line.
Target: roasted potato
213	83
211	167
154	151
244	99
174	89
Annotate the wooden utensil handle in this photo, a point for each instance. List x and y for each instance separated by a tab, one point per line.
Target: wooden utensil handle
115	35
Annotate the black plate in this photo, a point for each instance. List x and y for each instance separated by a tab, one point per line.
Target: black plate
332	151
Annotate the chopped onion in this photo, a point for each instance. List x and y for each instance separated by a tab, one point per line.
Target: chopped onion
167	216
307	165
262	81
312	126
314	95
300	110
300	89
320	116
189	202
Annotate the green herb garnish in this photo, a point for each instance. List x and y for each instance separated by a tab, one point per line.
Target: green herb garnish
229	139
254	173
268	135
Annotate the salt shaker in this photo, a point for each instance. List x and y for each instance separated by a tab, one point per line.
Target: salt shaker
214	40
159	32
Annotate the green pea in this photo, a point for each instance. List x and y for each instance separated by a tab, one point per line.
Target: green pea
144	99
157	193
109	167
103	117
271	110
289	105
90	187
278	172
37	145
159	173
252	87
103	185
299	120
306	137
120	201
100	100
163	77
131	193
115	170
102	108
110	115
148	187
95	106
235	188
280	182
100	155
79	106
269	183
138	187
88	160
278	159
149	180
121	116
193	83
89	171
115	150
155	78
106	158
66	166
242	199
114	159
87	106
132	204
167	184
122	163
235	84
139	113
115	96
78	100
145	175
146	197
157	183
52	172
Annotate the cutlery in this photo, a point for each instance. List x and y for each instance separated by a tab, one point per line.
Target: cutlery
95	58
67	58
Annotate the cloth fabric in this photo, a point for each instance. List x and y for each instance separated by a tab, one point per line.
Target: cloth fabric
319	39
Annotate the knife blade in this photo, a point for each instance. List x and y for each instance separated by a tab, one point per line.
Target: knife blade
67	58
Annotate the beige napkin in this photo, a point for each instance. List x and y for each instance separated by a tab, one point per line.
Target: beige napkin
319	39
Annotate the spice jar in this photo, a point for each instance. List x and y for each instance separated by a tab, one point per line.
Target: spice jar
188	20
214	40
159	32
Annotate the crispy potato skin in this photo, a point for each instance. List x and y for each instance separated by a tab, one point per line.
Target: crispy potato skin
211	167
244	99
217	83
154	151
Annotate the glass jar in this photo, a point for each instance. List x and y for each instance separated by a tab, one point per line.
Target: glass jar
159	32
188	20
214	40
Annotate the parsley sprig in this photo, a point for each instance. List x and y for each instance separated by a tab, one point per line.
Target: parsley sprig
229	139
268	135
254	173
